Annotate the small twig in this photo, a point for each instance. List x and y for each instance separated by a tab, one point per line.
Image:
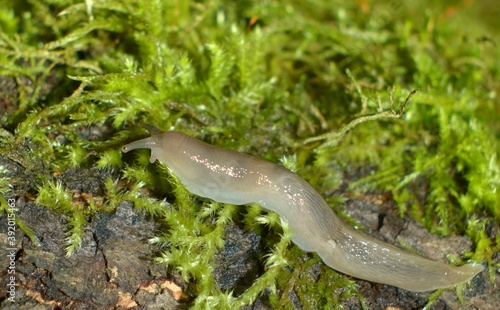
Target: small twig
336	136
403	106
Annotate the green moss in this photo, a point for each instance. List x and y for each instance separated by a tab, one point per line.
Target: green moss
57	198
10	210
316	286
318	83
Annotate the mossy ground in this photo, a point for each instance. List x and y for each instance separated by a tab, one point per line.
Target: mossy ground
265	78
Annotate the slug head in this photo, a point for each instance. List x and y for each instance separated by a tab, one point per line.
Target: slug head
163	145
147	143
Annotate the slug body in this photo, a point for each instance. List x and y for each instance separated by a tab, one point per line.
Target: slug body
236	178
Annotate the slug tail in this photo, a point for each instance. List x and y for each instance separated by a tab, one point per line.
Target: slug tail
444	276
365	257
467	272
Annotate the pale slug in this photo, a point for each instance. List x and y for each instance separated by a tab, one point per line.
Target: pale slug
236	178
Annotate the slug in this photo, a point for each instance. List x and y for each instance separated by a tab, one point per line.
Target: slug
236	178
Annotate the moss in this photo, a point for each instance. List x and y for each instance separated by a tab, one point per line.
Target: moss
57	198
270	78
